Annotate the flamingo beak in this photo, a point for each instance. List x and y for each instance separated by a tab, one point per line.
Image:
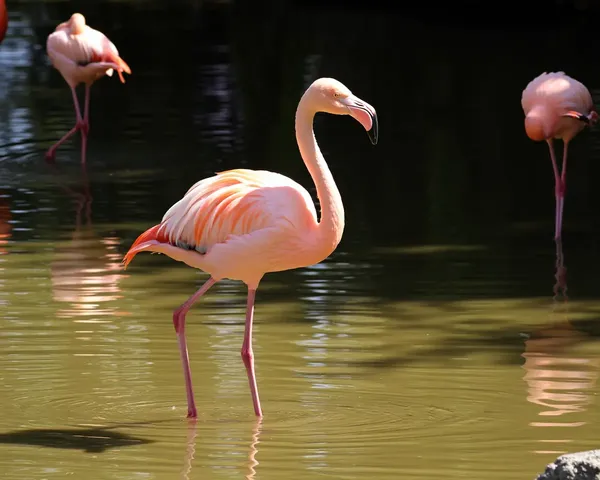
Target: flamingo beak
365	114
588	120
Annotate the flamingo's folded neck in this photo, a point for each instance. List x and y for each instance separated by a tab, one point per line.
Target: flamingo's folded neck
538	124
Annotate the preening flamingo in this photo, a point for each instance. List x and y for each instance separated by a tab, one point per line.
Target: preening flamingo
3	19
241	224
557	106
82	55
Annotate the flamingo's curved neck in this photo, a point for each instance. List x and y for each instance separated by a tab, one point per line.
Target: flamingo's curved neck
331	224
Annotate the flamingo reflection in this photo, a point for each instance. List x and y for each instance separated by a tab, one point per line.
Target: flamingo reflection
86	269
252	462
191	449
5	234
561	273
557	381
5	225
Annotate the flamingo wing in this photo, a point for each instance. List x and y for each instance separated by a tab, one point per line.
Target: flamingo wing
232	206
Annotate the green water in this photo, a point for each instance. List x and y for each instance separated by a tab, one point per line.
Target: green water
439	339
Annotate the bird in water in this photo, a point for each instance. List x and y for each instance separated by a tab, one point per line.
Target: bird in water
241	224
557	106
82	55
3	20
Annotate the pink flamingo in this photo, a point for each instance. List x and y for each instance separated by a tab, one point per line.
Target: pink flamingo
241	224
3	20
557	106
82	55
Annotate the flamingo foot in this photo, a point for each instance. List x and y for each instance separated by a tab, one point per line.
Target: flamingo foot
192	413
50	155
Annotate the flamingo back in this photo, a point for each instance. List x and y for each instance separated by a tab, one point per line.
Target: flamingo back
557	92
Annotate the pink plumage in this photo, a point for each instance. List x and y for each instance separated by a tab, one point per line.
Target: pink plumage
549	102
241	224
82	55
557	106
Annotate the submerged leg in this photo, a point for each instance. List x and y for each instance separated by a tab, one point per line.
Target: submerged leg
85	124
561	272
51	153
248	354
559	192
179	323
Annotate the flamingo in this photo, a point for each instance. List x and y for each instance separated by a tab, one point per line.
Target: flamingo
557	106
3	20
82	55
241	224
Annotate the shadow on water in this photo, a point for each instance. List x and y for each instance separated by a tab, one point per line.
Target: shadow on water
506	339
90	440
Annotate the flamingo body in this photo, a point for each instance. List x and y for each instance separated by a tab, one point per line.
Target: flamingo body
549	102
82	55
241	224
557	106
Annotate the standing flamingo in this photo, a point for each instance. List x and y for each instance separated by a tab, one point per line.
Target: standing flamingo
82	55
557	106
241	224
3	20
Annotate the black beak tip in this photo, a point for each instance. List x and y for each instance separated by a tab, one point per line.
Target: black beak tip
374	132
578	116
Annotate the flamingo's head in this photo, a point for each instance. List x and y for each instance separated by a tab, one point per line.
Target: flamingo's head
330	96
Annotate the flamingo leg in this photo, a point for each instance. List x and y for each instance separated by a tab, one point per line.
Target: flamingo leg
248	354
179	323
51	153
85	124
563	185
559	190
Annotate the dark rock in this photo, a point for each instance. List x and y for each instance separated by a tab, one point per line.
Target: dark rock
574	466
